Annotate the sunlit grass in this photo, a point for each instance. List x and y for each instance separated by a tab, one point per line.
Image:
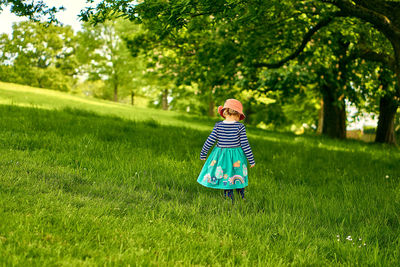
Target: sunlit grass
109	184
21	95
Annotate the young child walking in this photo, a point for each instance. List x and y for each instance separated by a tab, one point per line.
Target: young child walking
226	167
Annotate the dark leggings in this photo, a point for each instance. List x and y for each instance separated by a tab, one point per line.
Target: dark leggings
229	193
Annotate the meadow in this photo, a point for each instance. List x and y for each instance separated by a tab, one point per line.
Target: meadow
85	182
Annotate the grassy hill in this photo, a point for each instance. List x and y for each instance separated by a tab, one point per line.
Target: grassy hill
89	182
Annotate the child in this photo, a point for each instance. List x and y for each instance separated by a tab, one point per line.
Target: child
226	167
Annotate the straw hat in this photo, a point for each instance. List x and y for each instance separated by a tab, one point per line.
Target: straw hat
234	105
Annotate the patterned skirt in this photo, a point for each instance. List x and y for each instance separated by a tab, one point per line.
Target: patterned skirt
225	168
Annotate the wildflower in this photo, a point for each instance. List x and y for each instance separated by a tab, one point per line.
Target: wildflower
349	238
387	176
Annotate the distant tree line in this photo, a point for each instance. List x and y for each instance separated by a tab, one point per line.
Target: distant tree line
95	60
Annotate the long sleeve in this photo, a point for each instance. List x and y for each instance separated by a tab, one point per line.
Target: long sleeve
209	143
244	143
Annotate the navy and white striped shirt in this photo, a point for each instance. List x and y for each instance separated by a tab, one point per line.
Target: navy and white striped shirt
228	134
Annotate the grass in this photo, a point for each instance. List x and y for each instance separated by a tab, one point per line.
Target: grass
87	182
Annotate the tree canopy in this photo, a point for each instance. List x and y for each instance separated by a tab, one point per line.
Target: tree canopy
34	10
272	34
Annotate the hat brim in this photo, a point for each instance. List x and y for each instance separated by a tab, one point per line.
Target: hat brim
221	112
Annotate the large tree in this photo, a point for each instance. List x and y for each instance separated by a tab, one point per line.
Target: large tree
295	22
384	16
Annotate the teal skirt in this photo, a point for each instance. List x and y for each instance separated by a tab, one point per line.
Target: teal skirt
225	168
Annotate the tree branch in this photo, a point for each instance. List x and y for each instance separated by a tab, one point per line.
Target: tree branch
193	15
378	20
307	37
370	55
33	10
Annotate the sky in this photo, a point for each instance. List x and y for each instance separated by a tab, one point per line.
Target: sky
69	16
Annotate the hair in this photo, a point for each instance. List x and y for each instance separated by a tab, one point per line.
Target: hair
231	112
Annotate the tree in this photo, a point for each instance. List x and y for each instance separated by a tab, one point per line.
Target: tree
103	55
196	56
388	106
380	93
385	17
208	59
39	56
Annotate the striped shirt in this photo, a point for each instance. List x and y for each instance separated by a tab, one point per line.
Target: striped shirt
228	134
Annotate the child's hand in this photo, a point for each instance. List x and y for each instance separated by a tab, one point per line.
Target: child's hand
251	166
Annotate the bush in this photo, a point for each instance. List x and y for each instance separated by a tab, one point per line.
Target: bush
369	130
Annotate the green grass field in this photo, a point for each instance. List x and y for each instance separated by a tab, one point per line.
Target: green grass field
89	182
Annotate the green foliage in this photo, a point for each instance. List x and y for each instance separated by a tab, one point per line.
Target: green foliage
34	10
221	44
196	54
39	55
369	130
103	55
100	183
96	88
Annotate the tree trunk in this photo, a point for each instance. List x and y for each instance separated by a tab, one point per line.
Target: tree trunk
211	107
165	99
333	104
132	97
334	114
249	110
320	117
385	132
387	112
40	80
116	92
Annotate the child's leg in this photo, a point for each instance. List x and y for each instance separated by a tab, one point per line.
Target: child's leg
241	192
229	193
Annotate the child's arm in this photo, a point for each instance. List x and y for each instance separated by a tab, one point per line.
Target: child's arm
209	143
244	143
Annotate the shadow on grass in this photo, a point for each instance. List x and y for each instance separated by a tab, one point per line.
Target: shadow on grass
171	148
290	138
197	118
